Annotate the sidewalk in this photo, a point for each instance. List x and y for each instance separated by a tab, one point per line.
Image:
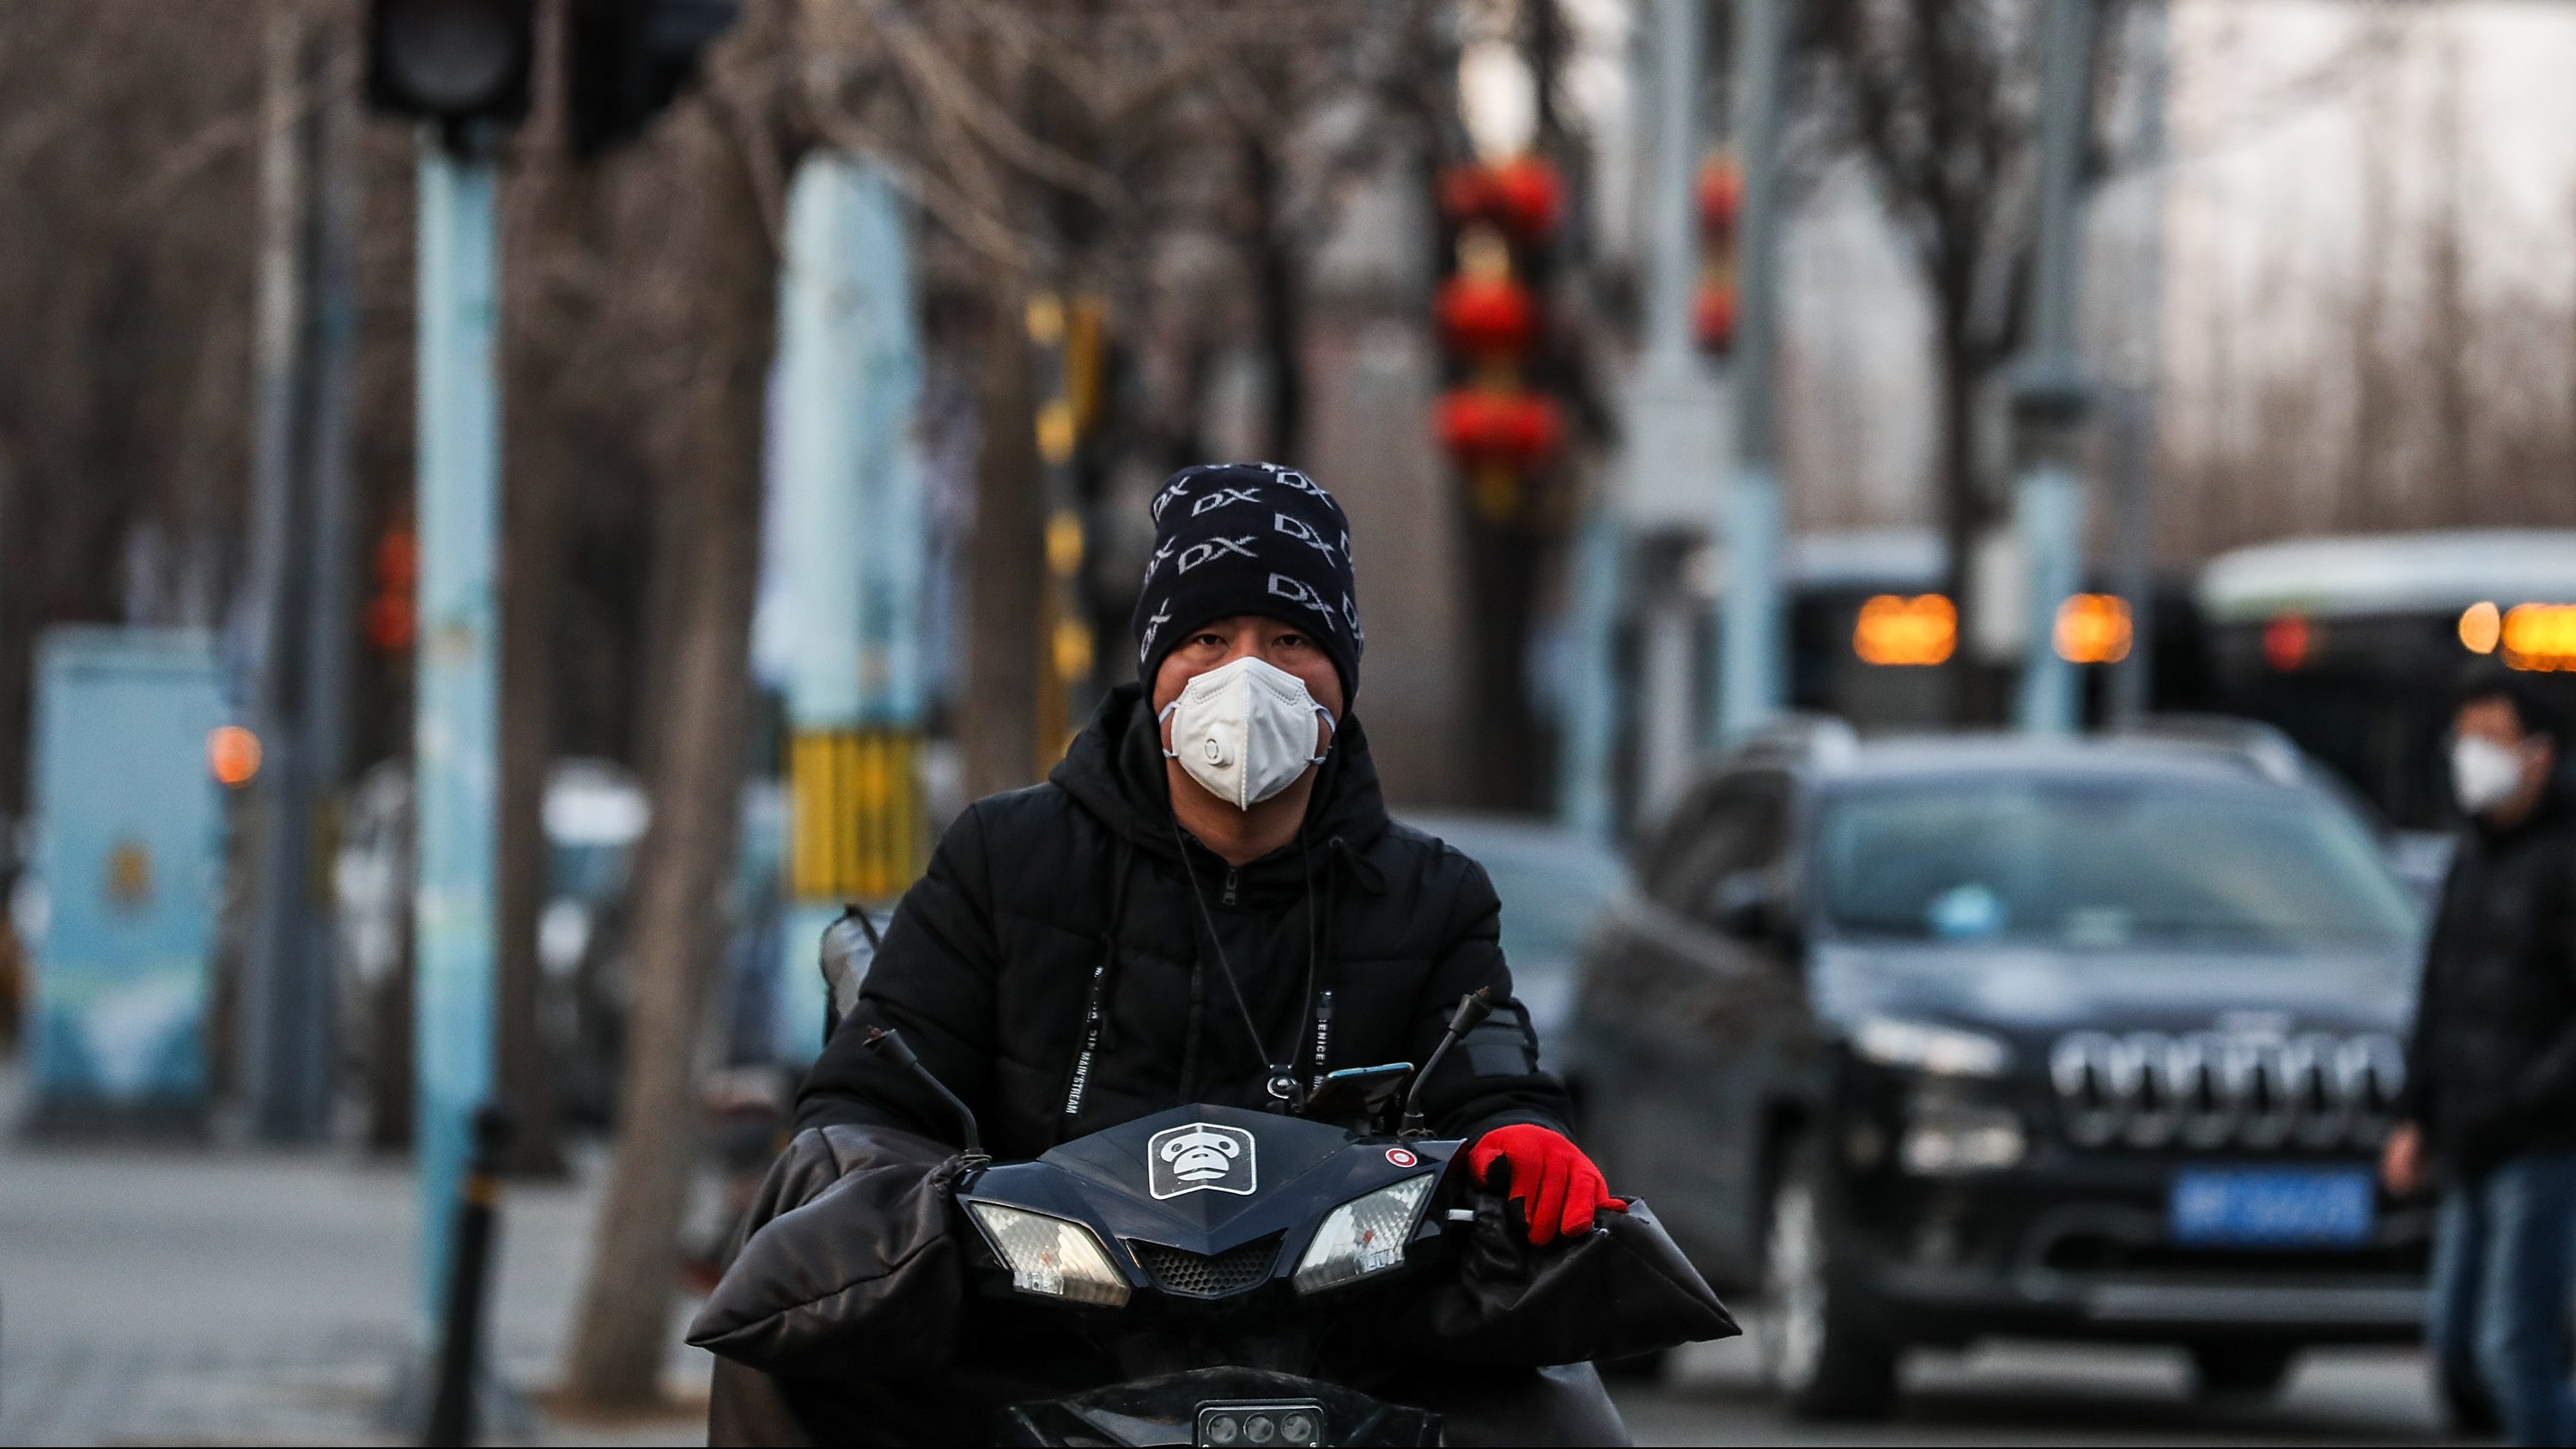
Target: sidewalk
229	1296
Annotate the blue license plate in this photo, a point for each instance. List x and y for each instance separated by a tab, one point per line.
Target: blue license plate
2272	1207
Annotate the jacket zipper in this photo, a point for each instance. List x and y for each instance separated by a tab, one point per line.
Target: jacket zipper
1226	898
1090	1043
1323	1039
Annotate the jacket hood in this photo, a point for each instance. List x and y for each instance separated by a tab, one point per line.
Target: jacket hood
1114	770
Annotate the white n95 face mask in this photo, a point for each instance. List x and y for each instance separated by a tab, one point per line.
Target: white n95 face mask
2484	774
1245	731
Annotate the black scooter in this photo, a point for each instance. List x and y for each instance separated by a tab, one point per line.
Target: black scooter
1206	1275
1217	1257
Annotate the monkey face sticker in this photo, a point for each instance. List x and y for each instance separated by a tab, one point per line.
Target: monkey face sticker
1199	1157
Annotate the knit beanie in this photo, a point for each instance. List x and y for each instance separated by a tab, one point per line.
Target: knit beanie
1249	538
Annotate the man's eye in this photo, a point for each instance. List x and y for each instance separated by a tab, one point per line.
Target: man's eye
1291	641
1217	640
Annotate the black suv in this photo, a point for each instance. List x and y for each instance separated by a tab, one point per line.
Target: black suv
1933	1039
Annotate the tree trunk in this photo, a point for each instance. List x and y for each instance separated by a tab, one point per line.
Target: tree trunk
528	603
1962	522
1277	284
721	266
998	726
542	207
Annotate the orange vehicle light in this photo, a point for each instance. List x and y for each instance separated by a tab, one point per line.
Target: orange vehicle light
1918	631
2093	629
2540	637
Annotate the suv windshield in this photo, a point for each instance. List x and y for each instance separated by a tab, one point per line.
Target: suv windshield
2101	863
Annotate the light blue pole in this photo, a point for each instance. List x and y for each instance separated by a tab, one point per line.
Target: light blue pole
1752	641
1592	711
1753	646
453	748
2050	388
2048	511
849	377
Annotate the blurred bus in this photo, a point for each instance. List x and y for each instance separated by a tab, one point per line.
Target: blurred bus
1869	627
2350	645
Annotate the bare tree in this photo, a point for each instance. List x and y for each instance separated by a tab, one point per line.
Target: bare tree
2446	335
700	210
2374	392
128	131
1939	100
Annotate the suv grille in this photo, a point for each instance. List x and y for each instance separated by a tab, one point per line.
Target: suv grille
2211	1089
1189	1275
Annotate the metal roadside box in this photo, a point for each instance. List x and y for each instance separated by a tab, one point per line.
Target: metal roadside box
127	863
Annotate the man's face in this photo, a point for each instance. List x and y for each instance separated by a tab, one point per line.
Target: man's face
1279	645
2495	721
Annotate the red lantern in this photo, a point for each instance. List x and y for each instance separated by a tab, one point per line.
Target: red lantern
1464	192
1482	428
1523	196
1721	197
1713	316
1526	197
1487	316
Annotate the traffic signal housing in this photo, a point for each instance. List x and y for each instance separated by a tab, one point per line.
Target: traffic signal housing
456	61
631	58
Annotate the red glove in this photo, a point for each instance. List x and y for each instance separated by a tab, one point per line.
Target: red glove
1557	1187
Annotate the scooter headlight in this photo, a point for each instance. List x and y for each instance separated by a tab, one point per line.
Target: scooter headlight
1051	1256
1363	1236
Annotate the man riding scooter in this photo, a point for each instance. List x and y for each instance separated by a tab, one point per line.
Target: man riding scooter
1206	902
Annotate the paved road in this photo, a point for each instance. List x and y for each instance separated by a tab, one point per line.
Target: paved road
231	1296
2047	1394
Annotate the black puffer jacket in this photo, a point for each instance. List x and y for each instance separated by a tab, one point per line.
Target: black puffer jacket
1054	970
2491	1073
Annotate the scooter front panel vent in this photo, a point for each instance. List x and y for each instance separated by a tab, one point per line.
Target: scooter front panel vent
1191	1275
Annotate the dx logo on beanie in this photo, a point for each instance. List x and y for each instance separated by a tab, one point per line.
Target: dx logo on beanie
1207	566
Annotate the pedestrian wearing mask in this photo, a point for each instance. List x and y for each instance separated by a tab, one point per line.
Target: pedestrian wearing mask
2490	1104
1207	902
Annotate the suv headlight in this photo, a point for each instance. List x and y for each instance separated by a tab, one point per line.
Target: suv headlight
1363	1236
1051	1256
1940	1051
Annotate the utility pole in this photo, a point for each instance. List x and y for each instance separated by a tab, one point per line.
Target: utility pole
1675	446
849	377
2133	678
1751	654
1583	796
2050	394
464	71
270	1008
456	732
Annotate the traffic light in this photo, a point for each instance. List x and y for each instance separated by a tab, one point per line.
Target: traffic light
631	58
457	61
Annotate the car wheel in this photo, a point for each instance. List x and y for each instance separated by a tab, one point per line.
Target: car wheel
2241	1370
1815	1353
